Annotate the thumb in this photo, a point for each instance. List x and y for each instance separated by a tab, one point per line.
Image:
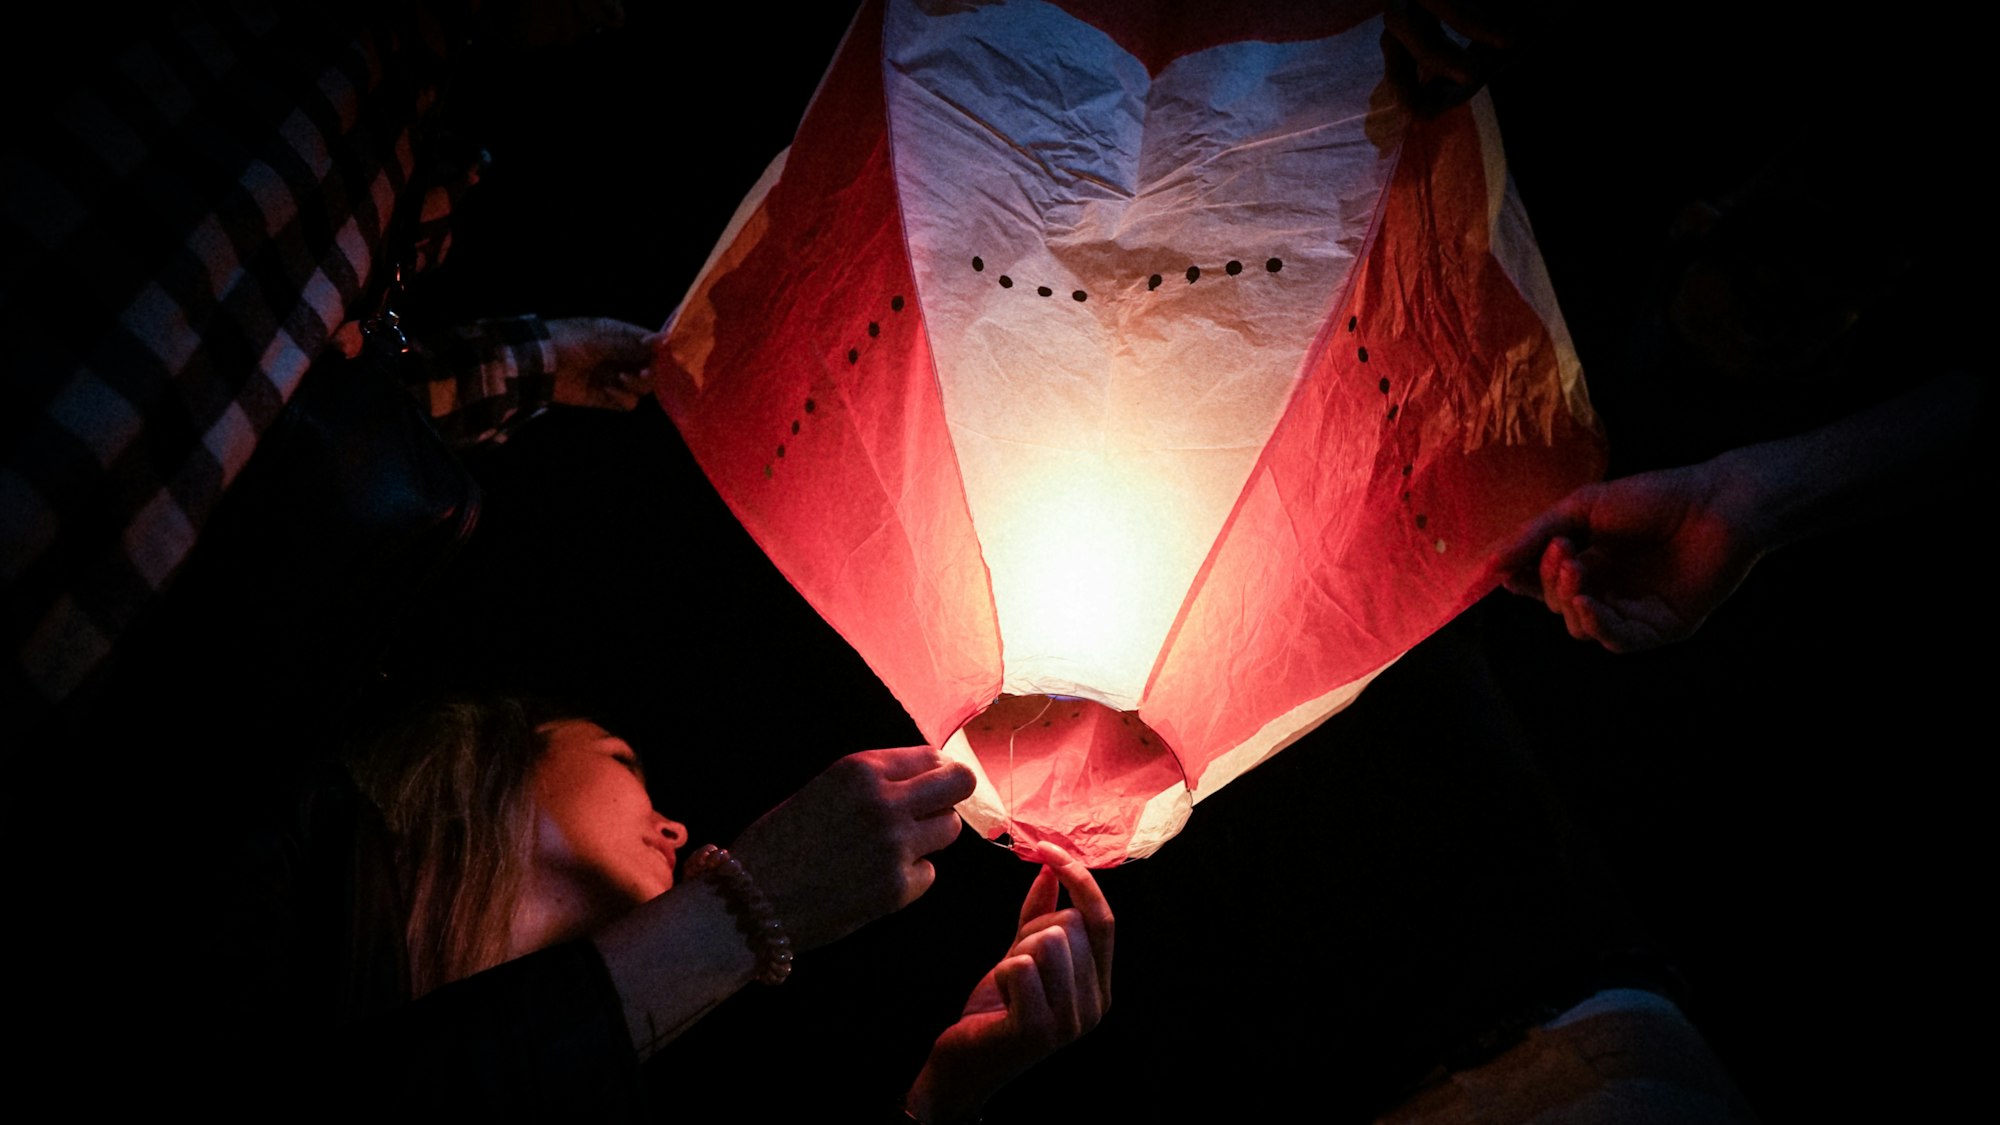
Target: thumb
1517	563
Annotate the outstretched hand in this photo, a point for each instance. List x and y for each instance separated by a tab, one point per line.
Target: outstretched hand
850	846
601	363
847	848
1053	985
1638	562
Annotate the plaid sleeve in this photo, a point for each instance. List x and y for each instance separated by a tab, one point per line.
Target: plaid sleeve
182	226
483	380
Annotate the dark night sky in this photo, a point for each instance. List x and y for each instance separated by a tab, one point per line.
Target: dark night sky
1781	802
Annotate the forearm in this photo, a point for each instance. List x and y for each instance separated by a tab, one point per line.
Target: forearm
672	960
941	1095
1781	491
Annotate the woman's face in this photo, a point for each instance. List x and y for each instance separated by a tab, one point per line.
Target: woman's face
596	831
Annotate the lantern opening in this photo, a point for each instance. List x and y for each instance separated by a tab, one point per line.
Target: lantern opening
1063	768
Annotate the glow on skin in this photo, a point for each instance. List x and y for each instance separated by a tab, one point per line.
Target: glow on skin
600	846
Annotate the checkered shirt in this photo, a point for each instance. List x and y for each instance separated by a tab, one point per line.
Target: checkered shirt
184	228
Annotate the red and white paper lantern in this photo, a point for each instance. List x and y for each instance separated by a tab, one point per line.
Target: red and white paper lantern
1128	391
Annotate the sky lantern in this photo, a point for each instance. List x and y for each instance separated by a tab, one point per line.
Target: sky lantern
1129	391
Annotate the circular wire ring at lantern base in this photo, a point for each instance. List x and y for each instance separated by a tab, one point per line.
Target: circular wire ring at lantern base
1098	782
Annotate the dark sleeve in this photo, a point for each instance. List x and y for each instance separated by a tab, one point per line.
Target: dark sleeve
313	991
480	381
540	1038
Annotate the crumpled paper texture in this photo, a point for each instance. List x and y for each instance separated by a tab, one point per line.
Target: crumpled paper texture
1166	364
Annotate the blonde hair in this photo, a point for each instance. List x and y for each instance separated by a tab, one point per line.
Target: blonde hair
454	785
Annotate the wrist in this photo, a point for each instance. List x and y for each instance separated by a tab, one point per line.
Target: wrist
1750	496
763	931
673	959
935	1099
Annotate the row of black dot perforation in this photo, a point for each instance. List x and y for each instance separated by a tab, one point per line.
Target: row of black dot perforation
1382	384
1153	281
896	305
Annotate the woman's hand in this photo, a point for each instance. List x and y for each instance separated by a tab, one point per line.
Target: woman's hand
1051	988
850	846
844	850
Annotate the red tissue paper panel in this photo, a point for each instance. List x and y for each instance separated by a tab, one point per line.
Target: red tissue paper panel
1144	405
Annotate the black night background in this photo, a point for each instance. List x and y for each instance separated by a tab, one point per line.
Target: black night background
1782	808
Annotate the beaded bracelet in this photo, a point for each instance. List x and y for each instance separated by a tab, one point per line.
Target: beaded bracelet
761	928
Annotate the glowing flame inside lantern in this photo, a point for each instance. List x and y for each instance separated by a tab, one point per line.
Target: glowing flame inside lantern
1083	582
1152	377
